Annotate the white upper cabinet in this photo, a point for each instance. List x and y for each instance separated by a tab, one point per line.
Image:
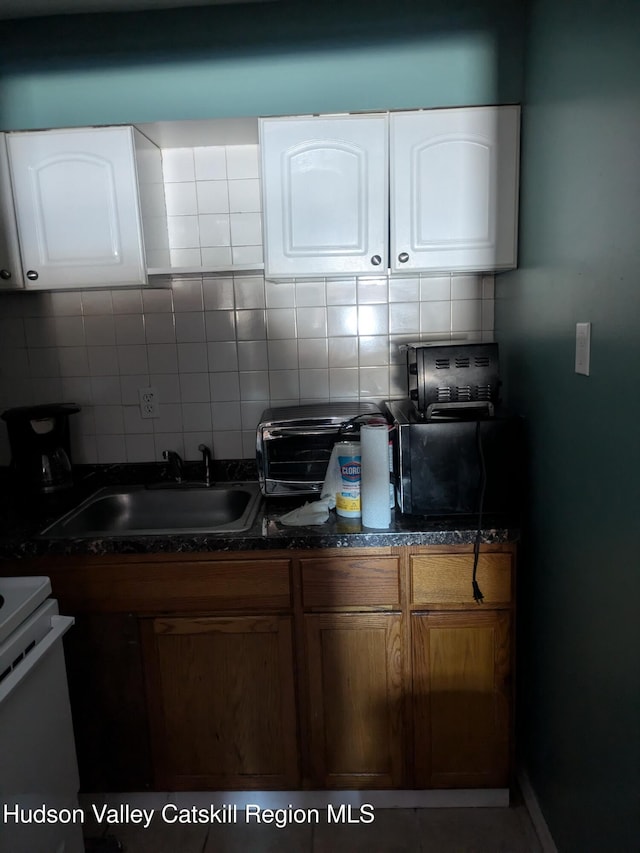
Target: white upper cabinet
10	264
77	206
454	189
325	195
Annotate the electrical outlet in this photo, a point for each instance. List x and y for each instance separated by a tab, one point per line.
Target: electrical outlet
149	405
583	348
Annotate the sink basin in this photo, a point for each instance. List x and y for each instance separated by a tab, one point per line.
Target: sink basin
137	511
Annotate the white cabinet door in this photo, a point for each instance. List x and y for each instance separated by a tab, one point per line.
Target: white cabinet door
325	195
10	264
77	206
454	189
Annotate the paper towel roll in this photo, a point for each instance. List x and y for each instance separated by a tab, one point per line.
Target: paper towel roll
374	486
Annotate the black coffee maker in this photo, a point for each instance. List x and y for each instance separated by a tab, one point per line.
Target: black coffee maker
40	447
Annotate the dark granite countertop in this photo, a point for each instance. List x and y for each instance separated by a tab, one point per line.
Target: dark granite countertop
23	517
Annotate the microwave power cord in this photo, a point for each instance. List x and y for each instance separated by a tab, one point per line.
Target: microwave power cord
477	592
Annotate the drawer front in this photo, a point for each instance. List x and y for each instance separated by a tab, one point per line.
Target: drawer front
350	582
444	580
180	586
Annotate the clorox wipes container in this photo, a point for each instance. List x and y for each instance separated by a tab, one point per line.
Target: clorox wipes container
348	495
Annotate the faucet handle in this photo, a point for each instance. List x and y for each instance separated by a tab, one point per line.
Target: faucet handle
206	458
175	464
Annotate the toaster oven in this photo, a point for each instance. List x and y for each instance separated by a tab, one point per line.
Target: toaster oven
453	377
294	443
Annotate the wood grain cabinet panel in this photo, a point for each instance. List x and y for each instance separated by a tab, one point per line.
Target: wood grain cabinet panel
443	581
107	693
365	669
143	586
461	699
355	696
221	698
350	581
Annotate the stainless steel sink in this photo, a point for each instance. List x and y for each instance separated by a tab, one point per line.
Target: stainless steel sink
138	511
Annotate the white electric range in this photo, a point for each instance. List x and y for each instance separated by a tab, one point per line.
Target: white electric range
38	767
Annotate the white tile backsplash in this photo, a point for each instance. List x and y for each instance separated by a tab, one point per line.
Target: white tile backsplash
181	199
185	257
312	352
311	322
127	301
254	385
194	388
252	355
244	196
219	350
133	359
213	206
210	163
178	165
96	302
224	386
159	328
220	257
190	327
214	229
246	229
222	356
100	330
184	232
213	196
242	162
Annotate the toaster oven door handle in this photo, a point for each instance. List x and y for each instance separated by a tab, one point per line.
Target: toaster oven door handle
297	432
291	487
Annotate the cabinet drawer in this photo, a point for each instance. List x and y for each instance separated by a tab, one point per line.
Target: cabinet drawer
350	581
177	586
444	580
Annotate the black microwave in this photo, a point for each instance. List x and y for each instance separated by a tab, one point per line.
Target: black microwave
444	466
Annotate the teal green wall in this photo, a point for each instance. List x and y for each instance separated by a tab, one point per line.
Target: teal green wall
579	587
258	59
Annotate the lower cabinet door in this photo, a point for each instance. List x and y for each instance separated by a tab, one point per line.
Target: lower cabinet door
108	704
461	695
355	700
221	698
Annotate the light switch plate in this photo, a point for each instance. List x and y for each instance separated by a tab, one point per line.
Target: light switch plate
583	348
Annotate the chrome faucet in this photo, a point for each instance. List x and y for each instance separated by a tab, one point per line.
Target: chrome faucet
175	464
206	458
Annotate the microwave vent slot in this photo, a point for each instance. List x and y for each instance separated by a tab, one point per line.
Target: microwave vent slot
442	364
482	361
462	361
484	392
463	393
444	395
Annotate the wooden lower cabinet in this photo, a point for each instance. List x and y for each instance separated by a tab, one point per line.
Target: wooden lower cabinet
354	676
461	699
108	702
221	700
336	668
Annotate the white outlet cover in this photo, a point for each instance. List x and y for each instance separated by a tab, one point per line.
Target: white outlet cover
149	406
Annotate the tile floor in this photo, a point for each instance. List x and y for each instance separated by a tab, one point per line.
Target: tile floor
433	830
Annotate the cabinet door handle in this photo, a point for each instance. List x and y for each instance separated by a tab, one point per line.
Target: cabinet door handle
5	274
403	257
32	275
376	260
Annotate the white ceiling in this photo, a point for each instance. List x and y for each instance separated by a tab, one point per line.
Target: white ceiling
32	8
